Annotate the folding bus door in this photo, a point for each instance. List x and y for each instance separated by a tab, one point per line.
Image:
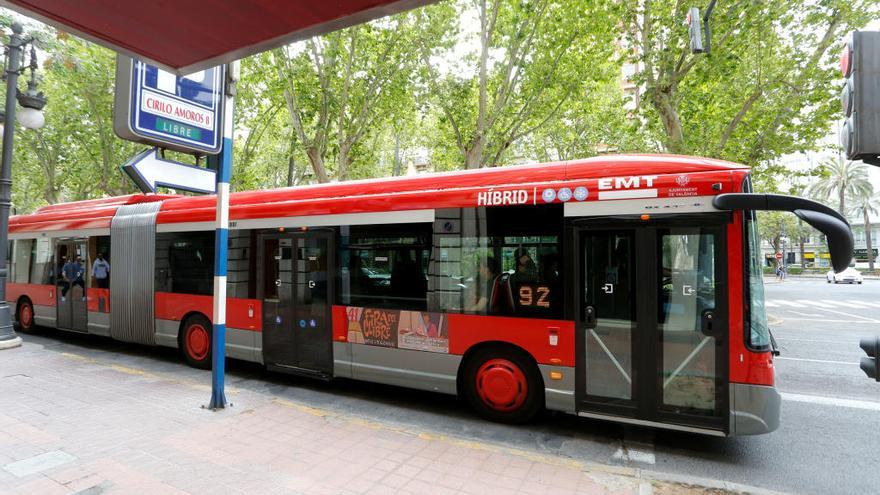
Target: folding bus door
651	302
72	276
296	288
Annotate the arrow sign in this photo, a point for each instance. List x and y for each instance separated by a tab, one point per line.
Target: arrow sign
149	171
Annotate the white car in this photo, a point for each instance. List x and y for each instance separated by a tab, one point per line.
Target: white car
849	276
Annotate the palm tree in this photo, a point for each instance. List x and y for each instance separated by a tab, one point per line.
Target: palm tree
845	179
865	206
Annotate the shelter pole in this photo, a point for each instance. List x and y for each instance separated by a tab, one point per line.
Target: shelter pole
221	245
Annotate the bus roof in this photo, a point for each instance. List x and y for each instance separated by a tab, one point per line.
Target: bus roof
436	190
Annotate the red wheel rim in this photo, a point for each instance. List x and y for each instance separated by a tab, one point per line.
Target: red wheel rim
502	385
197	342
27	316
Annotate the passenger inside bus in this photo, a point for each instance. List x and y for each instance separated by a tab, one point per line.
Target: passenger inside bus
486	297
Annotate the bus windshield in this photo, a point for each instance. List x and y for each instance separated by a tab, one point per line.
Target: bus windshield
759	333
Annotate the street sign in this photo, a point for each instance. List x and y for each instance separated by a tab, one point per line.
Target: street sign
156	107
149	171
779	256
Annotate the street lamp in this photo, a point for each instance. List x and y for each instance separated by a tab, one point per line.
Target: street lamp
31	117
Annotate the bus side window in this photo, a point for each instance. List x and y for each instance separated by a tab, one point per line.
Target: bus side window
497	261
21	264
42	262
384	266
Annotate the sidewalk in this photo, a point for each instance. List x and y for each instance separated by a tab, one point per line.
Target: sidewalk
70	423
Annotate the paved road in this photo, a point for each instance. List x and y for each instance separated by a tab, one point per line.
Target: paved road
829	441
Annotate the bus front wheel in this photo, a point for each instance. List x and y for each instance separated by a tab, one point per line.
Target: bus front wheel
503	385
195	341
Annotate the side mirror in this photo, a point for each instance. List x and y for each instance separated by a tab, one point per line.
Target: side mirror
825	219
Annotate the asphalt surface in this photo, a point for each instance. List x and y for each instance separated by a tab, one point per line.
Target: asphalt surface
829	440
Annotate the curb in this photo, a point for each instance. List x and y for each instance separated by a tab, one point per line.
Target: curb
707	483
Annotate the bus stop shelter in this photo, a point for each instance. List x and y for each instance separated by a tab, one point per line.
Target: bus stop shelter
192	35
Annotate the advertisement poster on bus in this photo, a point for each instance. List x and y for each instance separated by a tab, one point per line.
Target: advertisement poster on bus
415	330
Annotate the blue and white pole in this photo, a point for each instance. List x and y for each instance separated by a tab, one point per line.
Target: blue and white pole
221	243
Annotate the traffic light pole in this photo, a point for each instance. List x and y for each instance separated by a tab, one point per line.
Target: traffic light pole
8	338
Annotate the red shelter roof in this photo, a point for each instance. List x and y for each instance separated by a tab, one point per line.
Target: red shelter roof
190	35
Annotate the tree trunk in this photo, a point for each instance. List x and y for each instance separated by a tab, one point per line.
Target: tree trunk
671	122
317	162
396	171
291	169
868	240
473	155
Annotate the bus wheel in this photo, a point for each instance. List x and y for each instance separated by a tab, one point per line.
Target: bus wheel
195	342
25	314
503	385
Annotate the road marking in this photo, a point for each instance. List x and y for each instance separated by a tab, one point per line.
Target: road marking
804	314
844	313
820	304
816	361
822	320
832	401
865	303
818	341
850	305
791	303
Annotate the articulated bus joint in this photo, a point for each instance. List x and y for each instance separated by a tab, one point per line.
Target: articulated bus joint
821	217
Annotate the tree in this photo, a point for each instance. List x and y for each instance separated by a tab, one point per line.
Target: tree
593	122
768	87
773	226
530	59
865	205
76	154
340	87
843	179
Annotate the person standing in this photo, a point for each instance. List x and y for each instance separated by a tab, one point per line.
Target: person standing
101	272
78	279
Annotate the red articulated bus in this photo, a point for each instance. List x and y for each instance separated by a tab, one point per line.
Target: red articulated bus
625	288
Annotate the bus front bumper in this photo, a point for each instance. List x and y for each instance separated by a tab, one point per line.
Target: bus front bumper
754	409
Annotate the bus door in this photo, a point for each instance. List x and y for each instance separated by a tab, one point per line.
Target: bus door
652	321
296	293
71	268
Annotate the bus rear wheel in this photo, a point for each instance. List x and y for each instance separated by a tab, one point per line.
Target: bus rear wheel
195	341
25	313
503	385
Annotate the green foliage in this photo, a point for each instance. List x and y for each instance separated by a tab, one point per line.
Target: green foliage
468	83
841	180
769	87
75	155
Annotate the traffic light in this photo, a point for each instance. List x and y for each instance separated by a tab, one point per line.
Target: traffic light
860	97
693	22
871	364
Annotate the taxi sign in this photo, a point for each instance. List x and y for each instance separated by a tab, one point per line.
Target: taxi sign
182	113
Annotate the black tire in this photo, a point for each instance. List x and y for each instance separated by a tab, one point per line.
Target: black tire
195	340
24	315
518	394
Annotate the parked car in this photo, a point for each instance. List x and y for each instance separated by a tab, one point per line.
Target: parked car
850	276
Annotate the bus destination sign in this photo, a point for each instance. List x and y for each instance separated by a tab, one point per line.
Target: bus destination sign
182	113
